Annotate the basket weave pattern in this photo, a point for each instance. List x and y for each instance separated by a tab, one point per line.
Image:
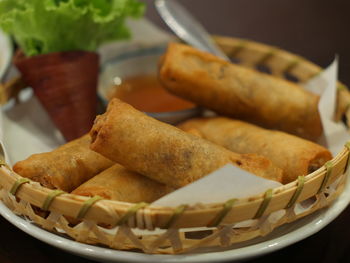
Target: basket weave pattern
151	229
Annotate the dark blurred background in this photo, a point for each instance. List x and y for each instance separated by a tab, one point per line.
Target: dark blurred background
314	29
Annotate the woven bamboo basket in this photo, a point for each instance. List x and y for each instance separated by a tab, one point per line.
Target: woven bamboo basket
164	230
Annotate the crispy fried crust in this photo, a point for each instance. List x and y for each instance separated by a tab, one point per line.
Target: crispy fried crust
239	92
163	152
117	183
296	156
64	168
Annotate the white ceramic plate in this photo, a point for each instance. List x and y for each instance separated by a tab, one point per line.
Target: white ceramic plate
26	131
280	238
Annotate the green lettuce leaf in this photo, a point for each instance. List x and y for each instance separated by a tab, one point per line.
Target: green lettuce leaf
44	26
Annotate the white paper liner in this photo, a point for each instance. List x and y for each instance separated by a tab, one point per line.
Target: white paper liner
217	187
334	134
27	129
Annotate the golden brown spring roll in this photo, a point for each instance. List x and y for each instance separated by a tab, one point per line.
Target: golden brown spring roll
163	152
240	92
294	155
66	167
118	183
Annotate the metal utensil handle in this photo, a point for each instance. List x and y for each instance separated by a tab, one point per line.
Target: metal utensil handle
187	27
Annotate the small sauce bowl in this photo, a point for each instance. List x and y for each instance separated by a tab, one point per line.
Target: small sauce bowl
132	77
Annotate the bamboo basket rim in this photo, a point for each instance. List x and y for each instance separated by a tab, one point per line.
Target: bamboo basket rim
111	212
36	194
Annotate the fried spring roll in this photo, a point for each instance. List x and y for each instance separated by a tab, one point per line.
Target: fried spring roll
240	92
294	155
118	183
163	152
66	167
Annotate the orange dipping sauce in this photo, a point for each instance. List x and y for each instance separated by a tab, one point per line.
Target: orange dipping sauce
145	93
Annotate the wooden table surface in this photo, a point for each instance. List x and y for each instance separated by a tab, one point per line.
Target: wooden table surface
315	29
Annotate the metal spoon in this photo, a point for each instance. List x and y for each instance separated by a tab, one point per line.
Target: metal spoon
186	27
